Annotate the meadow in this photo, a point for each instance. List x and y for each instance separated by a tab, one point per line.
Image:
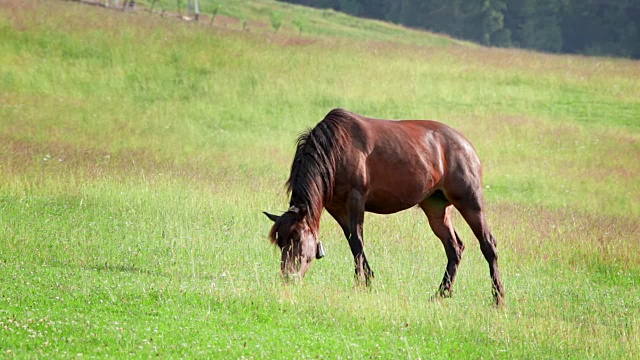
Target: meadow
137	153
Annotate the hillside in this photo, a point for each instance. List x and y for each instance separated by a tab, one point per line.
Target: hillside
138	151
263	16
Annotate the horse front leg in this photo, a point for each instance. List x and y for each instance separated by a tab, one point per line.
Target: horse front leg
363	272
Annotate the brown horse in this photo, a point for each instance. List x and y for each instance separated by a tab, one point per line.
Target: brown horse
349	164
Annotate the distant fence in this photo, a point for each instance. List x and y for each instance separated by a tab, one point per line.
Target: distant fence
193	9
192	12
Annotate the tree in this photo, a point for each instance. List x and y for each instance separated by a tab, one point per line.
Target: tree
493	30
578	26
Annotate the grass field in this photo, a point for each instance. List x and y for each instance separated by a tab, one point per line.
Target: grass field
137	153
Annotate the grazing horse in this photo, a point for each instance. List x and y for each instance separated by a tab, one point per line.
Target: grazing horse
349	164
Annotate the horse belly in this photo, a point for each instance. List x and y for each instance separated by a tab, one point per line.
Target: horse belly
397	192
386	204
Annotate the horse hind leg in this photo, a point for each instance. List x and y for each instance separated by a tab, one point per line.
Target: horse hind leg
473	214
438	211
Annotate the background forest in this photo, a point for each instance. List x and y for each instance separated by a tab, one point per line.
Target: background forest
590	27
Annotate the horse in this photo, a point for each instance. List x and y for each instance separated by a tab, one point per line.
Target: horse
350	164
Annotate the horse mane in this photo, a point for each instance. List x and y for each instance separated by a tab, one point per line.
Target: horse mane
314	165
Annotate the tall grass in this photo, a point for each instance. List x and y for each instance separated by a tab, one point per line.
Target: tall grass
137	153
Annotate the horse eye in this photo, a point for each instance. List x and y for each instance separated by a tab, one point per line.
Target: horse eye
281	240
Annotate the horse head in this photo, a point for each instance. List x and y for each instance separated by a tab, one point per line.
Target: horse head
296	239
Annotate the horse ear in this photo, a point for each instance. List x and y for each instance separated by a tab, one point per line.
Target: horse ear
273	218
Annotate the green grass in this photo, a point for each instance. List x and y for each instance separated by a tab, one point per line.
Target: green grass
304	21
137	153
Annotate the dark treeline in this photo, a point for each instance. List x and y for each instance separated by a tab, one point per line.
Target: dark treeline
592	27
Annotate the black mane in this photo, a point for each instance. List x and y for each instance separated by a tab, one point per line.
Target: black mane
314	165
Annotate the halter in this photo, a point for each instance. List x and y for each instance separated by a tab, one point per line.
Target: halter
319	249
